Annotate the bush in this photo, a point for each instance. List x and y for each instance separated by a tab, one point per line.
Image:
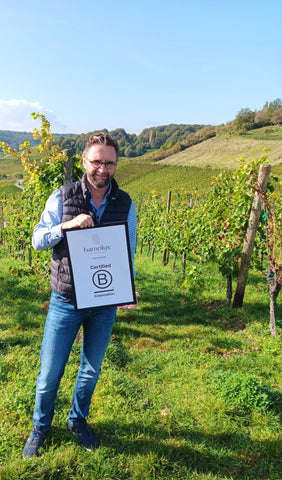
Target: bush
242	392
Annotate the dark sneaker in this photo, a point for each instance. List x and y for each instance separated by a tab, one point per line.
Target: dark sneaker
34	442
85	436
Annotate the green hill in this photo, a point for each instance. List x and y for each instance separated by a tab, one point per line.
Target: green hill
139	178
187	170
194	168
15	139
223	151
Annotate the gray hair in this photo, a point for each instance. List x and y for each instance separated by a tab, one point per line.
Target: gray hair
101	138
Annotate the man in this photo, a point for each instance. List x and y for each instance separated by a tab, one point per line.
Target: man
94	199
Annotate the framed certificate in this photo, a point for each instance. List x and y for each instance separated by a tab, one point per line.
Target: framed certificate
101	266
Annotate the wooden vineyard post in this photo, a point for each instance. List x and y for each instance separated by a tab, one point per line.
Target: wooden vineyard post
165	253
274	289
184	260
153	250
2	224
68	166
263	176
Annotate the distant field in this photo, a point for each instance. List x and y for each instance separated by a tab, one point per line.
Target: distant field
139	179
9	188
197	166
224	152
11	167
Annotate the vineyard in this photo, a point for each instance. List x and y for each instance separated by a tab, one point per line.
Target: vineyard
214	229
184	227
190	386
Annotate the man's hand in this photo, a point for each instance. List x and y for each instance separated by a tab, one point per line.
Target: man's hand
130	306
81	221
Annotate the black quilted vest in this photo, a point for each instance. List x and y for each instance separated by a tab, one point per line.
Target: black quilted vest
76	200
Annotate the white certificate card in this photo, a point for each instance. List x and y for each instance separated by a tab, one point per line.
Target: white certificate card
101	266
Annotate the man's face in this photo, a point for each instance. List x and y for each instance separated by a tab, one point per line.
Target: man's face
99	176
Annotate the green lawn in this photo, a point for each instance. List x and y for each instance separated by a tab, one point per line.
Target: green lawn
158	409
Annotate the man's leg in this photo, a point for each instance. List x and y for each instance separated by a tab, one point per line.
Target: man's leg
62	325
97	333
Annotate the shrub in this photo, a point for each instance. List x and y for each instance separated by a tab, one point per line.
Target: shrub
243	392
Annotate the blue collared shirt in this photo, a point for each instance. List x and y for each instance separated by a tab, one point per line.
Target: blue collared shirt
47	233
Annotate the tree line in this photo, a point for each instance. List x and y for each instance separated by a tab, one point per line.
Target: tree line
247	119
153	139
156	143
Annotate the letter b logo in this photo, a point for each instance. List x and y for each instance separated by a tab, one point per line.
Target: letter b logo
102	279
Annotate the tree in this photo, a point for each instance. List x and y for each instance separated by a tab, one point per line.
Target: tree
276	116
274	105
262	118
244	120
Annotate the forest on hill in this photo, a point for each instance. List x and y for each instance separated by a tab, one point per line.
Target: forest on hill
131	145
150	139
15	139
156	143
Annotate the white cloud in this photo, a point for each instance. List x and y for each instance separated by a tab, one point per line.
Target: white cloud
16	115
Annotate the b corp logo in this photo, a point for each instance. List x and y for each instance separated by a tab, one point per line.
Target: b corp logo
102	279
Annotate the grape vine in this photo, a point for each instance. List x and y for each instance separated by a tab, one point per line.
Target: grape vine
43	173
206	229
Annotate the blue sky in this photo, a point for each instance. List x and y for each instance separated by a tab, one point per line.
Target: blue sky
90	65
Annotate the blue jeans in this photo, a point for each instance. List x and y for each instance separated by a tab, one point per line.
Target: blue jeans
61	328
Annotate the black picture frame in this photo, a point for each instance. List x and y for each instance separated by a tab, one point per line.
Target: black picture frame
101	266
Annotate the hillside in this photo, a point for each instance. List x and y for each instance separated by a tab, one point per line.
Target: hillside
223	151
190	169
14	139
131	145
139	178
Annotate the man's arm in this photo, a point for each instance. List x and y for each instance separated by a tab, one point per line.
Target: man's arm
132	228
47	233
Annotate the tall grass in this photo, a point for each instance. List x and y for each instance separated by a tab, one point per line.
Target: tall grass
157	408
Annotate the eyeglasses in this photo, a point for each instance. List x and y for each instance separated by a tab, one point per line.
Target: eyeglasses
97	164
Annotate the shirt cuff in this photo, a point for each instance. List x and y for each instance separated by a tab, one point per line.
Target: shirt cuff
57	232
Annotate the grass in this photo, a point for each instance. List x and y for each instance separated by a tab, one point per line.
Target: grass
156	408
223	151
271	133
